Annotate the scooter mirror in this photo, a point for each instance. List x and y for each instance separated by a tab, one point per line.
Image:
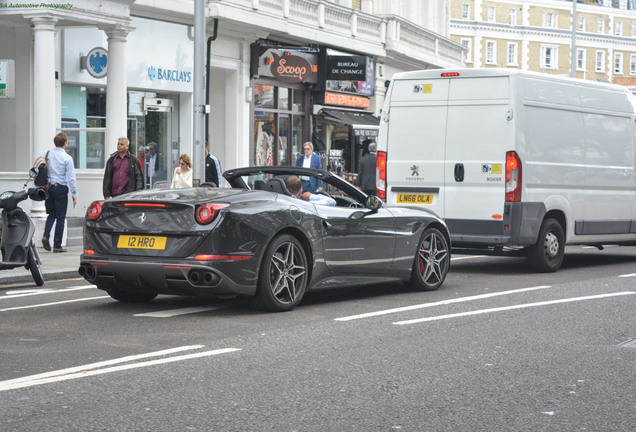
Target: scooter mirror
33	172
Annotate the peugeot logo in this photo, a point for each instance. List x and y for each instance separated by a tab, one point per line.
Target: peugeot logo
415	170
142	218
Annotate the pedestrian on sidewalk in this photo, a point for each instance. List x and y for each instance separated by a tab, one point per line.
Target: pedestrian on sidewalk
61	178
182	177
123	172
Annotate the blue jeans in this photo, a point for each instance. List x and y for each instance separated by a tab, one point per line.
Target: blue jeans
56	205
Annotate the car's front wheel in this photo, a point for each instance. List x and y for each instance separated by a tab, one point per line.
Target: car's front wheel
432	261
283	277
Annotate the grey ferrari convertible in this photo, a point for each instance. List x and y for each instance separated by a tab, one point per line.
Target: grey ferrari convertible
259	240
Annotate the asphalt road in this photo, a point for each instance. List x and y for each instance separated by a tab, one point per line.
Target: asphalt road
497	348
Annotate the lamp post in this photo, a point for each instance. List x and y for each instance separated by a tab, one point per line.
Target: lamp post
573	49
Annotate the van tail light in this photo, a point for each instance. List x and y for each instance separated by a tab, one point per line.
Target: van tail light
380	175
513	177
95	210
207	212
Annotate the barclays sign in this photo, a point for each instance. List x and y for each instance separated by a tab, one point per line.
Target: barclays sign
169	75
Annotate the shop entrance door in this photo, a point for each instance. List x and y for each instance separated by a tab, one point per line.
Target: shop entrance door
153	131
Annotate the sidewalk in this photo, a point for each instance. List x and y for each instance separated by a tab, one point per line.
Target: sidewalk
55	266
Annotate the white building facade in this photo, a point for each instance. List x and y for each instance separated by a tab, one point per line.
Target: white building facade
102	70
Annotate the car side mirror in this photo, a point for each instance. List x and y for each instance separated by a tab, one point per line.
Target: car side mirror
373	202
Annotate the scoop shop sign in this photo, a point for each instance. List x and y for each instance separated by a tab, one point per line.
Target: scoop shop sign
290	68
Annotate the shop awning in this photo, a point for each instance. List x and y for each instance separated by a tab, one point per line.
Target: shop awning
356	119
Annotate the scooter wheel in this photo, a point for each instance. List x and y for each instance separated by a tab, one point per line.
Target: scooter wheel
34	266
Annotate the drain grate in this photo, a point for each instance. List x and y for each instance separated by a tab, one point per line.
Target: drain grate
631	343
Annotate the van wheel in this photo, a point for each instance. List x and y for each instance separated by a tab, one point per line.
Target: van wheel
547	254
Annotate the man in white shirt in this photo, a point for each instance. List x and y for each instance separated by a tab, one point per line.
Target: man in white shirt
294	186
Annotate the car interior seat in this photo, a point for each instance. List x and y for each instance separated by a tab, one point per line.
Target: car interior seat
260	185
277	185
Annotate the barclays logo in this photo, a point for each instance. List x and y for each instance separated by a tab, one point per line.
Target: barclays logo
97	62
169	75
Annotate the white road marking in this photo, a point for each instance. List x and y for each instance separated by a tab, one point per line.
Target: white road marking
184	311
627	275
505	308
467	257
440	303
92	369
22	293
52	303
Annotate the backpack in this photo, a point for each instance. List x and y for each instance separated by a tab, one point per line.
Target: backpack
42	179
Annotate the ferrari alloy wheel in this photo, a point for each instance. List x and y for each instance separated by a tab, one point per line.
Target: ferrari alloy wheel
547	254
282	279
432	261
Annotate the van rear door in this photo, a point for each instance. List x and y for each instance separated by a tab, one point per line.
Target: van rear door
479	133
416	137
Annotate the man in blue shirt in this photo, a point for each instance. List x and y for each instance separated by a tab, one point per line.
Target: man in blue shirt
61	178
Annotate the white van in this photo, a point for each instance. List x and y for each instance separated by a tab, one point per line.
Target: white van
515	162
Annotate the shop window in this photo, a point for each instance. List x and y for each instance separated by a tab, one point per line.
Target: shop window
279	124
84	121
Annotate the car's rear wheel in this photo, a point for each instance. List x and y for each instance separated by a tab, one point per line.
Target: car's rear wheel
283	277
547	254
432	261
131	296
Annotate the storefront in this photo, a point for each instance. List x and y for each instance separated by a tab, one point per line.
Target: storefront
343	122
159	81
281	80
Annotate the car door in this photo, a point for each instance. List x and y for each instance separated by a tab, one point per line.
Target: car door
357	240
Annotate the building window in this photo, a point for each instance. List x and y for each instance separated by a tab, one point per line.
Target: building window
465	11
549	57
618	63
512	54
491	14
633	29
600	61
632	64
467	55
512	17
580	59
581	23
549	20
619	28
600	26
491	52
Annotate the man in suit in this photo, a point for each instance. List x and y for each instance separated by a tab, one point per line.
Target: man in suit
366	175
310	160
156	165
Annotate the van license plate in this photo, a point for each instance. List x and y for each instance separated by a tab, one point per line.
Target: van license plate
141	242
414	199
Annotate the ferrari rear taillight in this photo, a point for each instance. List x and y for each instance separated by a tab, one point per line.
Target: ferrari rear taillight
95	210
513	177
380	175
207	212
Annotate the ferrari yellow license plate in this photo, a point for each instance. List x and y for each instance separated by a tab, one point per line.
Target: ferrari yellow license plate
414	199
141	242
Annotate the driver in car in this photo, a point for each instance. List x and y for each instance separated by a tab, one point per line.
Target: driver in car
295	187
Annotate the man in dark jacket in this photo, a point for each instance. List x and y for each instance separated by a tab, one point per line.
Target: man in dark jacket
123	172
366	175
